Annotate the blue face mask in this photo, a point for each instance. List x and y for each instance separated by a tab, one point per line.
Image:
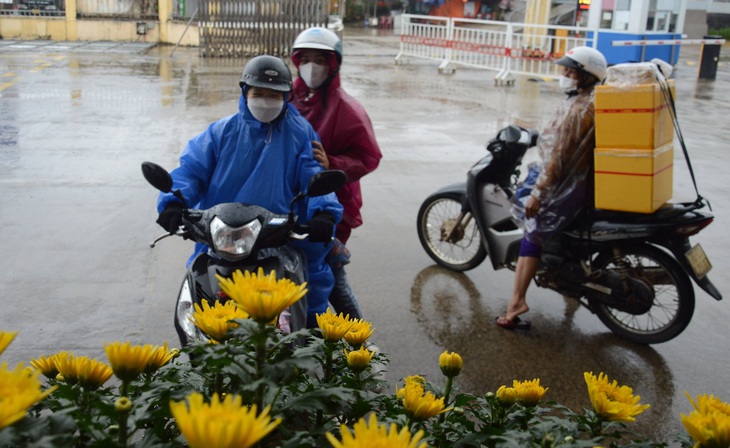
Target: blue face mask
265	109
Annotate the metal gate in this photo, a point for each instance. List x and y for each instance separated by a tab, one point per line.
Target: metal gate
241	28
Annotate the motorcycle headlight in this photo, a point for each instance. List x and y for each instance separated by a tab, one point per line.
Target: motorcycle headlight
184	311
234	242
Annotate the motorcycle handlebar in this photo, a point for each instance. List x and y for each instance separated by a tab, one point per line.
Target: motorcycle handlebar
298	232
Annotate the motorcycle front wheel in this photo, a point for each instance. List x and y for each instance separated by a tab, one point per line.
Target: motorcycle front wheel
451	240
673	303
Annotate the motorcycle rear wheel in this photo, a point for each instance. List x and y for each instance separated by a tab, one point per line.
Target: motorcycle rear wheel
674	299
465	250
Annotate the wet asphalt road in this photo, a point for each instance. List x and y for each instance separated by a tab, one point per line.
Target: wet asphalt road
76	216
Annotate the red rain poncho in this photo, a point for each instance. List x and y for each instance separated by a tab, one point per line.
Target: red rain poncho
348	139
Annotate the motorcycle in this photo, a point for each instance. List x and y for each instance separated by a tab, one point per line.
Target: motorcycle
239	237
632	270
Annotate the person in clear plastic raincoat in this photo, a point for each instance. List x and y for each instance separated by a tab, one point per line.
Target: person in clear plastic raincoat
562	188
261	155
348	141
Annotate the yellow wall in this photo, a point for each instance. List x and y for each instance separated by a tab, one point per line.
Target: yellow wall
69	28
57	28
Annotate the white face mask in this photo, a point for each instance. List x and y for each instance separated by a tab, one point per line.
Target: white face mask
314	75
265	109
568	85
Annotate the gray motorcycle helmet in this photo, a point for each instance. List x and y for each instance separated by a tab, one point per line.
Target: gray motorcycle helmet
268	72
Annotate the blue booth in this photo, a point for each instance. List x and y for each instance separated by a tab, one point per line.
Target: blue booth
637	20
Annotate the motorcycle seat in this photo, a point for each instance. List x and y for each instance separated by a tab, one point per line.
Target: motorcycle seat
663	214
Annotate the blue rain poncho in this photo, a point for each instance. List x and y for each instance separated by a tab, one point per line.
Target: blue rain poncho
240	159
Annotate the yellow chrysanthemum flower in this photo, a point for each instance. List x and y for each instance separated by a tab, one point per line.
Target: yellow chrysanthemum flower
6	337
19	390
89	373
359	332
221	424
64	362
128	361
507	395
263	297
450	364
414	381
160	357
711	430
706	404
420	405
613	402
46	365
217	320
333	327
529	393
369	434
709	423
92	373
358	360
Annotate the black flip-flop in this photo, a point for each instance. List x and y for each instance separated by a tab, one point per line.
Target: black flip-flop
515	324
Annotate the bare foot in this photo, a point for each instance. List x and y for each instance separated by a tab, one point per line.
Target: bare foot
513	312
513	324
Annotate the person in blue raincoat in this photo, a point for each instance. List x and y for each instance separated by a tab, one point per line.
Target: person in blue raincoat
261	155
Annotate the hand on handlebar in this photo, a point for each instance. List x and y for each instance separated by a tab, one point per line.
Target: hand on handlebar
171	217
321	227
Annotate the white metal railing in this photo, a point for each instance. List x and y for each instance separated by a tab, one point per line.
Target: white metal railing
479	43
508	48
424	37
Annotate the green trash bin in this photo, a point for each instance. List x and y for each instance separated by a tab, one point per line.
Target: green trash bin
709	58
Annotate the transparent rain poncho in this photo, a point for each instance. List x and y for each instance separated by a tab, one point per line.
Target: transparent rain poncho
566	148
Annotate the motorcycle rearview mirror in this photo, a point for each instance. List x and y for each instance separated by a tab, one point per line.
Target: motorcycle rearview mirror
322	183
159	178
510	134
326	182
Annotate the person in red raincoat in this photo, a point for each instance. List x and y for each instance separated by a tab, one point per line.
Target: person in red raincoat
347	140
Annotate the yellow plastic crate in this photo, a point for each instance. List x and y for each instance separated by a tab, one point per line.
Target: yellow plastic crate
638	181
634	117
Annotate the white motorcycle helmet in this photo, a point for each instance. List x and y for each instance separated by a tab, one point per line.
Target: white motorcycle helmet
586	59
317	38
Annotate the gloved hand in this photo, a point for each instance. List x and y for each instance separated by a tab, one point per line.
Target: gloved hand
321	227
171	217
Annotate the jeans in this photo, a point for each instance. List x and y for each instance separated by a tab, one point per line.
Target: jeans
341	298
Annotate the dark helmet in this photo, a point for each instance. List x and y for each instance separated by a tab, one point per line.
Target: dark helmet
268	72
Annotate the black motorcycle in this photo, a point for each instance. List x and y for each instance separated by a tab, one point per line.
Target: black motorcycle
632	270
239	237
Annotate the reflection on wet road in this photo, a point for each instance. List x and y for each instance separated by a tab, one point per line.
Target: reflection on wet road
451	310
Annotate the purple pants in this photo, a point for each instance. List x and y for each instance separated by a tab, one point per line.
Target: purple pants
529	249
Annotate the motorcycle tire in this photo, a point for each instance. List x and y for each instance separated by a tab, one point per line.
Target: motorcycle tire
674	299
461	255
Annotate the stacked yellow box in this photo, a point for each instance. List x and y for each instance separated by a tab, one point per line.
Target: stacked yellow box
634	155
633	180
